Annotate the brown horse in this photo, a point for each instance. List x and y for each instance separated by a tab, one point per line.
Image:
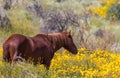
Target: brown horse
39	49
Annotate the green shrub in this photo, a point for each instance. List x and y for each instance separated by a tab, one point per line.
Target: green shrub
113	12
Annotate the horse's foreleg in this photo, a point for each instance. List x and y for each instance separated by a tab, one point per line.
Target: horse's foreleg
47	65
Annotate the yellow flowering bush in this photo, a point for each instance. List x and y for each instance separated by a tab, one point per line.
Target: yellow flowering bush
1	51
86	63
102	10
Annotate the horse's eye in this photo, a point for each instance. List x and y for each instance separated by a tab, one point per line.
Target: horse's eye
69	36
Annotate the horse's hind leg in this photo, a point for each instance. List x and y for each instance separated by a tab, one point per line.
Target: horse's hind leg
6	54
13	55
14	58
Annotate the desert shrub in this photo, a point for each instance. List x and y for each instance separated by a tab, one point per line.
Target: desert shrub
113	12
58	21
4	20
19	23
35	9
8	4
53	19
100	39
98	22
60	0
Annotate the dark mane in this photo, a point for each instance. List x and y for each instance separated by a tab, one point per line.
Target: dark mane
57	39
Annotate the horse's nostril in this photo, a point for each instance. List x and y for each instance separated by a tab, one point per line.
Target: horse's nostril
76	51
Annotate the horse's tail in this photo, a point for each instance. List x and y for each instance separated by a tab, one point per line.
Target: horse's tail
10	53
6	53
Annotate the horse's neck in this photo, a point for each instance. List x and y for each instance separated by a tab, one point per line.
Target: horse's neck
57	42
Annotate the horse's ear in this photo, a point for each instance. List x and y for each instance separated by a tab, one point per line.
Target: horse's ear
69	32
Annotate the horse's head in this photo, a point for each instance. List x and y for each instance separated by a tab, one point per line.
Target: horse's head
69	44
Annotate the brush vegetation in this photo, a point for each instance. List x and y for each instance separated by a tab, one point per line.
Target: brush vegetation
96	36
86	64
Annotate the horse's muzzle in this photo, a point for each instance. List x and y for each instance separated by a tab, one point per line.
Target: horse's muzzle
75	51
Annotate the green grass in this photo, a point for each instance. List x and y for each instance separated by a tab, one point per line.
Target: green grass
21	70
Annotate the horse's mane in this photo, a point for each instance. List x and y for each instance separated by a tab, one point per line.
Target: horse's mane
57	38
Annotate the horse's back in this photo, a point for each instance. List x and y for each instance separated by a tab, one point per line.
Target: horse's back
43	44
15	38
43	39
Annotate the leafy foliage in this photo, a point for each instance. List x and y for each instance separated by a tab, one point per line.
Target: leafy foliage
102	8
86	63
113	12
